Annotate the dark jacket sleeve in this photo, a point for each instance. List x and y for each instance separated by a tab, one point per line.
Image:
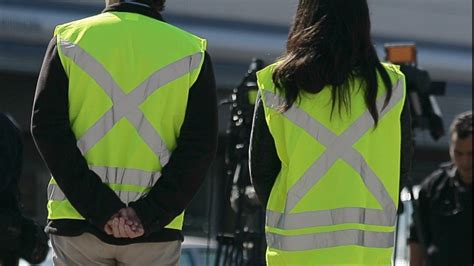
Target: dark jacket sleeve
196	148
421	217
407	144
57	144
418	219
264	162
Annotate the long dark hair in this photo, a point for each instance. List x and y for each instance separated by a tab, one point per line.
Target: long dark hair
159	4
330	44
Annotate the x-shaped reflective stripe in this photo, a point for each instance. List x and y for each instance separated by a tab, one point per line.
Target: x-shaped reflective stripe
127	105
337	147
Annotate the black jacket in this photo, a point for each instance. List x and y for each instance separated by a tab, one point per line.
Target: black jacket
19	235
11	152
11	149
181	177
445	217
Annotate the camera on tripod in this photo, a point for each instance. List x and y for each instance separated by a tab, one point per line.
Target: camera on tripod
241	236
425	111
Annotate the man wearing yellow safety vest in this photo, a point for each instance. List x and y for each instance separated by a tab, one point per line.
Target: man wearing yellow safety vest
125	117
331	142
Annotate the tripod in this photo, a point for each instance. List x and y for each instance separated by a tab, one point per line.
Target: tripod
244	244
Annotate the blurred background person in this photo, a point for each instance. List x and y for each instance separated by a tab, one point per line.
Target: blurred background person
19	236
10	169
331	141
445	206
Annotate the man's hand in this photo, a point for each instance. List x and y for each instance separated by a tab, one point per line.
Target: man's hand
125	224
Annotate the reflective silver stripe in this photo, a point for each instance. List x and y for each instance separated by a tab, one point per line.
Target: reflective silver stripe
331	239
124	176
326	218
337	147
56	194
128	196
121	176
127	105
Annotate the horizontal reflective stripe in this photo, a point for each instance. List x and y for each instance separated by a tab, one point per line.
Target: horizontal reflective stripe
111	175
337	147
327	218
127	105
127	183
56	194
128	196
331	239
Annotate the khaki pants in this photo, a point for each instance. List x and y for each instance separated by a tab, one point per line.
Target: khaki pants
87	249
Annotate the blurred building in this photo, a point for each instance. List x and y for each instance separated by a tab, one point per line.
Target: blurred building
237	31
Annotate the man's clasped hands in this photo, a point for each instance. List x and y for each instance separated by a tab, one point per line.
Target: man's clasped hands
125	224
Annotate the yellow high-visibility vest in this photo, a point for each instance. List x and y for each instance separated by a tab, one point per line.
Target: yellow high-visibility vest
335	199
129	81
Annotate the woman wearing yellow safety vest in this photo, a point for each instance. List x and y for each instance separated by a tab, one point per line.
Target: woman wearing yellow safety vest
331	141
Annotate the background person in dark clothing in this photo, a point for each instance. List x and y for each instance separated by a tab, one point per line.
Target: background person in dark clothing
19	236
10	169
11	150
445	206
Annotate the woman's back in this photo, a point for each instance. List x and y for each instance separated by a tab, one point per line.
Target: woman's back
333	112
338	175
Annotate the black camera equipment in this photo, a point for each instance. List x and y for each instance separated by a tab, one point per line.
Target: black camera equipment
244	243
425	111
22	237
34	242
426	114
